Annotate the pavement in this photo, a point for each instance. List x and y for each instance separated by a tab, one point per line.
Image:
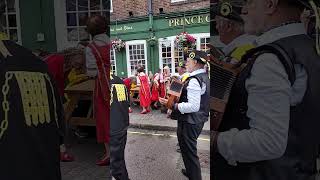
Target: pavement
151	155
150	151
155	120
86	152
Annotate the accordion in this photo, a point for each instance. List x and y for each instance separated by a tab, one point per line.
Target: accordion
174	92
222	77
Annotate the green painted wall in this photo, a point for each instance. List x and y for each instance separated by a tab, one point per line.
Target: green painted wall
138	29
37	16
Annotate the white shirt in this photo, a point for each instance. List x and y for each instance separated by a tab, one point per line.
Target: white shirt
241	40
194	92
269	98
100	40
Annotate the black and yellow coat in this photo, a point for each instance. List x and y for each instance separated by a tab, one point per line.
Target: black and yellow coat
119	106
31	117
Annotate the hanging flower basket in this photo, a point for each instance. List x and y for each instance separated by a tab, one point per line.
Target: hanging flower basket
185	40
152	41
118	44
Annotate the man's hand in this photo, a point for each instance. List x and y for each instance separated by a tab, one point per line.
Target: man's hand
163	101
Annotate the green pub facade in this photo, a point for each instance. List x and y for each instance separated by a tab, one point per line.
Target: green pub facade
161	51
54	25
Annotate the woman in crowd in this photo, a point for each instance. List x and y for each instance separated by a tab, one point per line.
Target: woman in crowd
144	93
60	66
157	88
98	67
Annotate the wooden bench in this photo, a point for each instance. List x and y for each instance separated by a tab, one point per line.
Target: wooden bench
82	91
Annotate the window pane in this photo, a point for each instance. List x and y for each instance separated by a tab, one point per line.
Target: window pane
71	5
83	5
12	20
3	21
95	5
13	34
83	18
71	19
11	5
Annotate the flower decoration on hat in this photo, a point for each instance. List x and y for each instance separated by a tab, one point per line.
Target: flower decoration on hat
186	40
226	9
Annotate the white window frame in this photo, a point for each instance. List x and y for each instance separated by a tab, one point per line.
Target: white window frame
111	7
174	1
61	26
115	60
17	13
171	39
136	42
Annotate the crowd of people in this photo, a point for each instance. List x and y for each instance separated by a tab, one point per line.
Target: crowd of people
152	86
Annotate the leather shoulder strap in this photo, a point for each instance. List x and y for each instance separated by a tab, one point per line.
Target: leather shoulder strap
276	49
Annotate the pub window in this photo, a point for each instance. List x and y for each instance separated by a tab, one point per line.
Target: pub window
77	13
173	1
166	56
113	61
178	56
136	55
204	42
10	20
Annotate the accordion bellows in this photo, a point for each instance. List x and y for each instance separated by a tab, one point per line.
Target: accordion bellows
222	77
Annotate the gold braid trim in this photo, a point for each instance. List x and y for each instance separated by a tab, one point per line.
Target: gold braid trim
5	104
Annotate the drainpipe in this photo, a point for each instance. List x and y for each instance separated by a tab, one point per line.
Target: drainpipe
150	13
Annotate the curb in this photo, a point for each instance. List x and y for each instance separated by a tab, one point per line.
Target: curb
161	128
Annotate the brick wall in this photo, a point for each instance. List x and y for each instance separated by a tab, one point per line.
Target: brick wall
121	8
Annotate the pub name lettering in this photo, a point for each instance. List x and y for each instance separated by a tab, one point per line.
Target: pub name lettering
189	20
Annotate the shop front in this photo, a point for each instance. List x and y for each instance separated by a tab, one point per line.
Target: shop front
150	41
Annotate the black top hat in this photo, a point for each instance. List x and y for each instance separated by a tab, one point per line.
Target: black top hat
199	56
230	9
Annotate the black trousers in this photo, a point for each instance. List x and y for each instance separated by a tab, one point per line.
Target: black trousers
187	137
117	162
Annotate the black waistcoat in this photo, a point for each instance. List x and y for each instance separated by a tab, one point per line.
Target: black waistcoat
29	150
202	115
119	109
298	161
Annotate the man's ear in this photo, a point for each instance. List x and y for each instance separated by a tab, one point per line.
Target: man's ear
270	6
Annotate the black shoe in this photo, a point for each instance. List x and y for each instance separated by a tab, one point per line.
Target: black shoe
184	172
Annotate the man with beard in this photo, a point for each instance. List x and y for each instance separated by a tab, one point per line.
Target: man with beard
230	27
269	127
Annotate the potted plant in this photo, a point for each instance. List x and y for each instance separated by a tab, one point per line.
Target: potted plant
118	44
185	40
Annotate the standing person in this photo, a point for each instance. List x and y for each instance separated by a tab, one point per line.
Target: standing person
98	66
157	86
193	112
60	66
119	123
270	123
183	74
144	93
31	115
128	81
230	27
